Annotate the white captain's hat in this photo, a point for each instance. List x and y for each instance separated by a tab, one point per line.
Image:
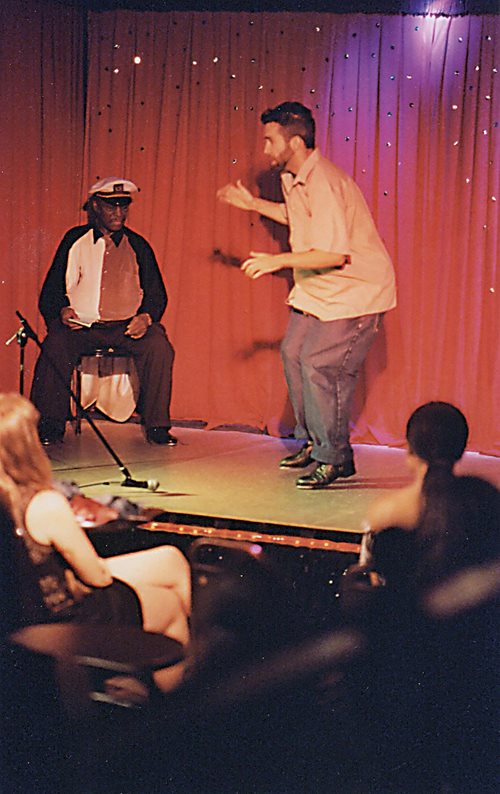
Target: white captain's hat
111	187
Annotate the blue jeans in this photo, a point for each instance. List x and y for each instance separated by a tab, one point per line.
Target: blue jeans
322	361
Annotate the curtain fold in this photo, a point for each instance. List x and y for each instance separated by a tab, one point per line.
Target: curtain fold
41	131
409	105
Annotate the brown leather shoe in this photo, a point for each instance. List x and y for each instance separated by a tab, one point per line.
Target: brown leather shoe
324	475
299	460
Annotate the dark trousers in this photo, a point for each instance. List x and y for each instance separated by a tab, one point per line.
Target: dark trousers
322	361
153	357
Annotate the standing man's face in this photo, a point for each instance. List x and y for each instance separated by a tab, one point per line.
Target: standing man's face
276	146
110	217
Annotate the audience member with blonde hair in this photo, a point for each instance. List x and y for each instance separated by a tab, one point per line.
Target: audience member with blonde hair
69	569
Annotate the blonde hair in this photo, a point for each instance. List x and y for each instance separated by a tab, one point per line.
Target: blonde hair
24	467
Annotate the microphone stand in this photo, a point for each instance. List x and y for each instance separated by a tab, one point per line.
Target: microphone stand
27	332
21	338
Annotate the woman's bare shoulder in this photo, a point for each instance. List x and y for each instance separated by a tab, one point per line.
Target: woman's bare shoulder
45	508
399	508
48	499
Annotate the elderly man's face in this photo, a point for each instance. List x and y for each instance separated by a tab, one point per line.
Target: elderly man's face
111	215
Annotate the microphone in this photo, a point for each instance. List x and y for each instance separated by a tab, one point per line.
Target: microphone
15	336
148	485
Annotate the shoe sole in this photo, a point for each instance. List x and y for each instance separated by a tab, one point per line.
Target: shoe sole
320	486
316	487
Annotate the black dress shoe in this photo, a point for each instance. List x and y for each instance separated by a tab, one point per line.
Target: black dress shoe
324	474
299	460
50	432
50	438
160	435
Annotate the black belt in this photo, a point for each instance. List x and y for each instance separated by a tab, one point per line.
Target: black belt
304	314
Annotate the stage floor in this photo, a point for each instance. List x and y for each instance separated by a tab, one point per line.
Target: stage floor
234	475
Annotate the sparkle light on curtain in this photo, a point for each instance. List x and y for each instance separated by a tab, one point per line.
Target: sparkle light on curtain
408	105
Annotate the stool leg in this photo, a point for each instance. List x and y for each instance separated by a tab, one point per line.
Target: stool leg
78	392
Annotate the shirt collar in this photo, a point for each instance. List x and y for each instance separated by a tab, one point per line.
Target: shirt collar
115	236
304	170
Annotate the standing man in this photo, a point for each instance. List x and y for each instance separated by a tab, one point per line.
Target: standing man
344	282
104	289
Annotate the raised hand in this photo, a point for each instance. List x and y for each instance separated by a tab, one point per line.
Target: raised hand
237	195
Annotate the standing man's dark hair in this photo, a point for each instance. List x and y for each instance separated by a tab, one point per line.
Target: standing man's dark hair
344	283
295	119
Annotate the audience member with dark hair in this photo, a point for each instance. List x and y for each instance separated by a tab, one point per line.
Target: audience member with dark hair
458	528
427	686
437	435
434	658
426	689
71	574
440	523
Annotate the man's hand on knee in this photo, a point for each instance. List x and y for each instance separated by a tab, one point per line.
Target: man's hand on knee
138	325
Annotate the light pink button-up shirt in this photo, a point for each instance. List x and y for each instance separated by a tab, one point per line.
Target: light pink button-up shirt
327	211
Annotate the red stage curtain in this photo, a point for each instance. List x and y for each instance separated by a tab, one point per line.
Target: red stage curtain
405	104
41	134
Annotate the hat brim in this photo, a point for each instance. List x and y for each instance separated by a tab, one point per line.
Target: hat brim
122	201
111	196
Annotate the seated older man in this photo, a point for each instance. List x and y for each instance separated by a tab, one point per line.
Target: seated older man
104	289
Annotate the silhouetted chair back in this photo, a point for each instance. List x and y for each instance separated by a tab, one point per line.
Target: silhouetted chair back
464	611
213	559
264	725
10	613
